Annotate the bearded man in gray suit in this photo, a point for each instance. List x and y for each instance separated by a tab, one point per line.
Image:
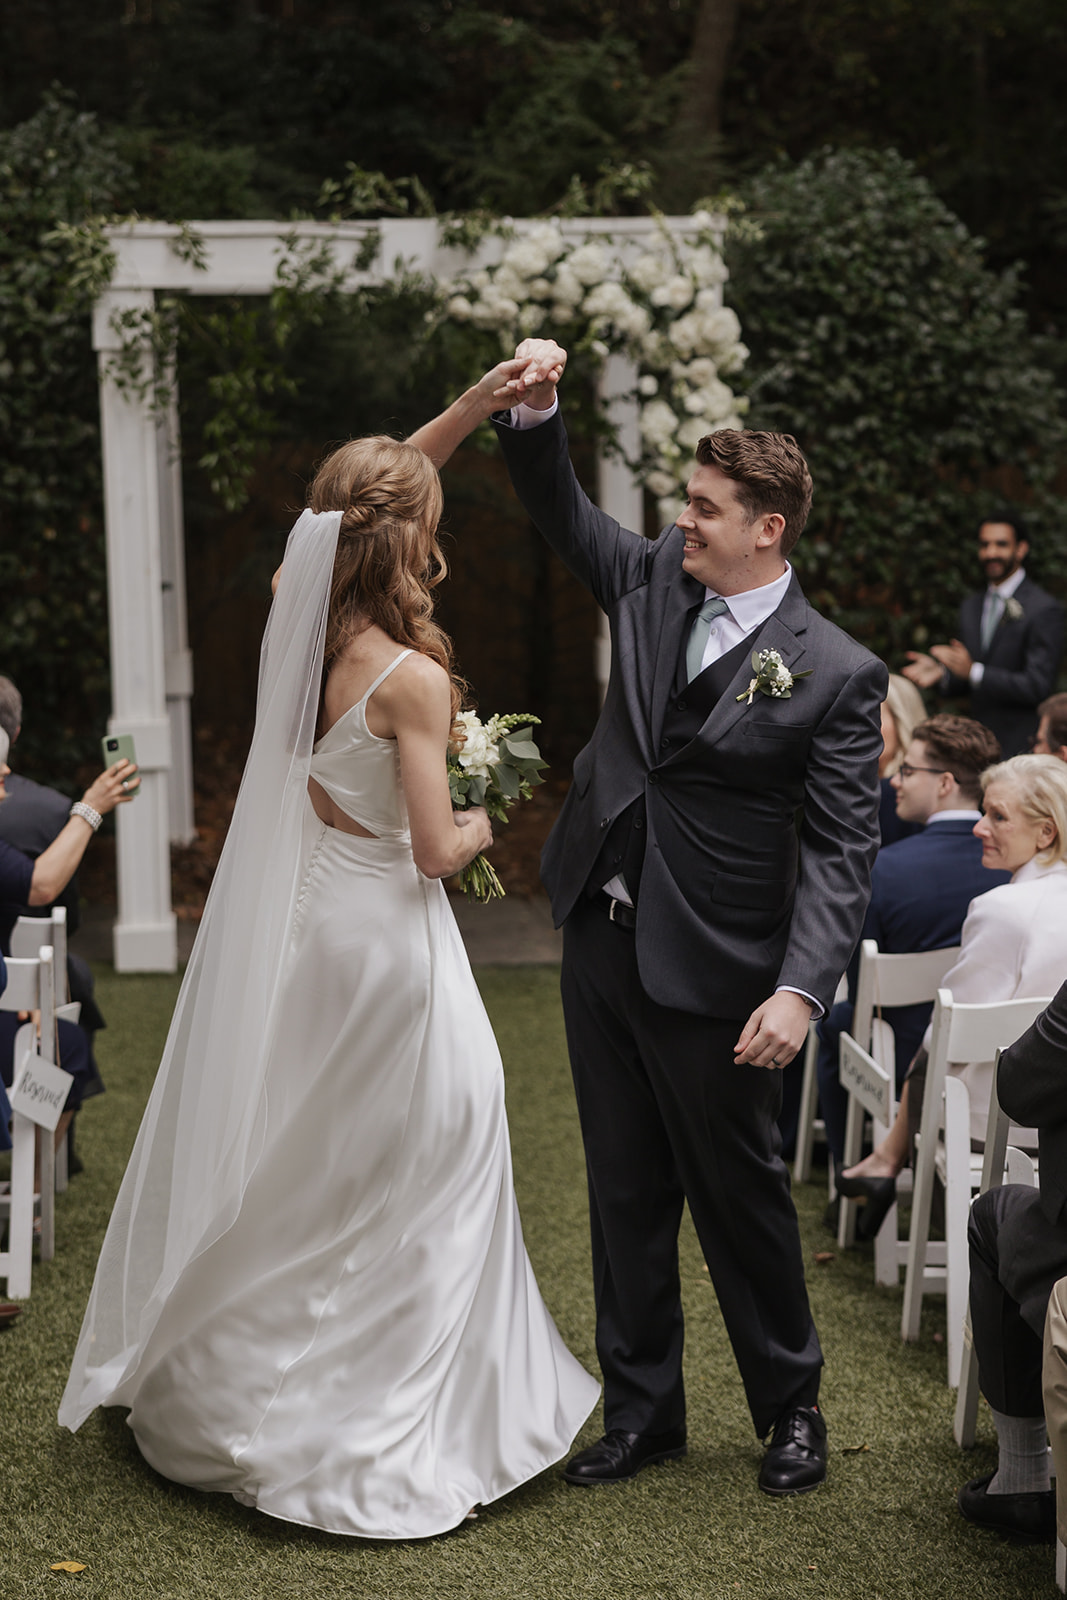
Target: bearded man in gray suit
711	870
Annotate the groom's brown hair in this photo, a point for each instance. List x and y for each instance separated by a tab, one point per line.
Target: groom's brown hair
770	472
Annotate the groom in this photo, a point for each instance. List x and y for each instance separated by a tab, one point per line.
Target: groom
711	870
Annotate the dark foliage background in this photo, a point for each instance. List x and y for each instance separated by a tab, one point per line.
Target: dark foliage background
916	362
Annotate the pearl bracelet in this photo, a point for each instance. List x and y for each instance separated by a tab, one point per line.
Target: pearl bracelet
87	814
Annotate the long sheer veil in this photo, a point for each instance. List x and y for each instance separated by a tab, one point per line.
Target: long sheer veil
201	1135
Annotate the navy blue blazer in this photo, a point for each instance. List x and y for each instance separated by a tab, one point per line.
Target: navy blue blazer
920	890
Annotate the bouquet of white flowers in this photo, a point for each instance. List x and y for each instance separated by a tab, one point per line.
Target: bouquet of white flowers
491	764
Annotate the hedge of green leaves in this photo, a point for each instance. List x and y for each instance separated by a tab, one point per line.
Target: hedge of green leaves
906	370
56	171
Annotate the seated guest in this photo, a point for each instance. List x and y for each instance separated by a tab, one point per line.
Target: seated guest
1051	736
902	711
36	883
31	818
1018	1249
921	886
1013	944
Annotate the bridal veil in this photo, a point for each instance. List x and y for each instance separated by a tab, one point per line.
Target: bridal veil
201	1135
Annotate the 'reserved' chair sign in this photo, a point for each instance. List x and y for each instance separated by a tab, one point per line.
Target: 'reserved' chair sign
40	1090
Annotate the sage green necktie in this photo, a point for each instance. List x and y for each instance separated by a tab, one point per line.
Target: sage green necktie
698	635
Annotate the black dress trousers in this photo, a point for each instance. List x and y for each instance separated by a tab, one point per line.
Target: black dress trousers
667	1117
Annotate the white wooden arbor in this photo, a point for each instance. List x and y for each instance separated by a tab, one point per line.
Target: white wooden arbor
151	664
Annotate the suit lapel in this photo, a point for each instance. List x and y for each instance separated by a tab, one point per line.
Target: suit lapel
683	594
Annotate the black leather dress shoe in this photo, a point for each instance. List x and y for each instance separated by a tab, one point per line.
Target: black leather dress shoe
618	1456
796	1457
1025	1516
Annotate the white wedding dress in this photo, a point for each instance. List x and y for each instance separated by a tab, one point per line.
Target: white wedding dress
356	1341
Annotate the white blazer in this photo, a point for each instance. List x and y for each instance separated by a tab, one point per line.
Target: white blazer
1013	946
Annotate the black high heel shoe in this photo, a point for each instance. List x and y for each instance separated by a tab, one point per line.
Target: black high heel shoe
878	1195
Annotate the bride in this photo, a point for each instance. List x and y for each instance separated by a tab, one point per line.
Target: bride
313	1293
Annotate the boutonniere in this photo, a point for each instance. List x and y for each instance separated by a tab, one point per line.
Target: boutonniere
1012	610
771	677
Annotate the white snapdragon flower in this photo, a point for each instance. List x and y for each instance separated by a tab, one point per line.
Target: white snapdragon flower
676	293
589	263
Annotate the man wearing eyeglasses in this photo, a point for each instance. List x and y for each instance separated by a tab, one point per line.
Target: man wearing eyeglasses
1010	641
921	887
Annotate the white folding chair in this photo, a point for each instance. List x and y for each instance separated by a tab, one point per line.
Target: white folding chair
27	937
810	1126
30	987
961	1033
883	981
1001	1163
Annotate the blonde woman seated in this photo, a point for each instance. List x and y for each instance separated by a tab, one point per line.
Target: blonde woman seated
902	711
1013	944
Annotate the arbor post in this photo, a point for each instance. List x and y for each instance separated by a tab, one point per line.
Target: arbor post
145	938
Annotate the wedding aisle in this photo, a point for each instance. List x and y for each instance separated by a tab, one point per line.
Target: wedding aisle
884	1526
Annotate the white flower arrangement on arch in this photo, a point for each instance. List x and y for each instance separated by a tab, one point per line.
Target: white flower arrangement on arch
663	309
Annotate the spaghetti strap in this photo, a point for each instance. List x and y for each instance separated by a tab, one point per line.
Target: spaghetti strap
380	679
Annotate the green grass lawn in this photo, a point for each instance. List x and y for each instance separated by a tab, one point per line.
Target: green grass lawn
885	1525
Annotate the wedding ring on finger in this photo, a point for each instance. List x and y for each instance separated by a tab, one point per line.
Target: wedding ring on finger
125	783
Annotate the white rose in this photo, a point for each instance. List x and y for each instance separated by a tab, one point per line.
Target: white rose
660	483
692	431
509	283
658	422
531	318
647	384
676	293
669	509
700	371
589	264
707	267
478	754
649	271
480	280
567	290
734	358
722	326
539	289
703	218
459	308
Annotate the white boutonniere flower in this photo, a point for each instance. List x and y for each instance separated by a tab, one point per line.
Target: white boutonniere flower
1012	610
771	676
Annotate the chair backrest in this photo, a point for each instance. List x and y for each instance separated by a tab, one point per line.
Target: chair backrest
964	1032
30	933
31	986
22	991
895	980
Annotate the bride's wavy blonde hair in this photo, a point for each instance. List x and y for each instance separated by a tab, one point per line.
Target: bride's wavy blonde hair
388	558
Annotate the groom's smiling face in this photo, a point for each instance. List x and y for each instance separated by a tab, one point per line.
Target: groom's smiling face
725	548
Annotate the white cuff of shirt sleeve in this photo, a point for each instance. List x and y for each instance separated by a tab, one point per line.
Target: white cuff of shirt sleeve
524	416
816	1009
976	674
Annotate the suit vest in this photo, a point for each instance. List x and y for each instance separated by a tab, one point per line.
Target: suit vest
623	851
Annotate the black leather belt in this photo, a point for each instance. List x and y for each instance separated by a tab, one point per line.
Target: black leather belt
617	911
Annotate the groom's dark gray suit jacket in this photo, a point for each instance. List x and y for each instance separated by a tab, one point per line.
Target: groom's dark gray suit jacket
761	826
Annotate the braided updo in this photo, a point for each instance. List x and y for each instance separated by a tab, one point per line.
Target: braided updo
388	558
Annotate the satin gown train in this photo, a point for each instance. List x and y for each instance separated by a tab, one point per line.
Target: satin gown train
365	1349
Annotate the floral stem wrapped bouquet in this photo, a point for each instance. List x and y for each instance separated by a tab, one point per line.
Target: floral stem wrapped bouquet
491	764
